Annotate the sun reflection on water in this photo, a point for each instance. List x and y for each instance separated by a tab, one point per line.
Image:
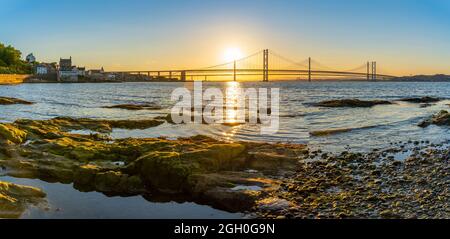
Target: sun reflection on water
233	92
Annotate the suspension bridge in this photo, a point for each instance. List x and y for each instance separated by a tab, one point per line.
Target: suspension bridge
265	65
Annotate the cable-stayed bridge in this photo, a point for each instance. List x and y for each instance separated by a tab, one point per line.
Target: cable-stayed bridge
266	65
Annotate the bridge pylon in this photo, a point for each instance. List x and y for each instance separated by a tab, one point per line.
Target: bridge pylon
374	70
266	65
368	71
183	76
309	69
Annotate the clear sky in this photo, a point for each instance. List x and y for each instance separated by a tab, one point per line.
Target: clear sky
403	36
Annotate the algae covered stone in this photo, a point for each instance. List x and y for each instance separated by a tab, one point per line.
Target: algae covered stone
164	170
14	199
13	101
442	118
352	103
11	133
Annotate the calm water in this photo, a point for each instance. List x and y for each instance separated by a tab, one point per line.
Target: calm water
374	128
67	203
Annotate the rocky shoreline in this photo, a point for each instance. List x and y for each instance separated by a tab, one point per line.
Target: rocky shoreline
260	179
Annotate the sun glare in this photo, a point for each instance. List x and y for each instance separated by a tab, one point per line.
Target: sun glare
232	53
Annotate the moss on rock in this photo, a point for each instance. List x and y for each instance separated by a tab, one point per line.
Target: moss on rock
14	199
12	134
13	101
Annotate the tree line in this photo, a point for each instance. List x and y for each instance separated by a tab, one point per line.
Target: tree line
11	61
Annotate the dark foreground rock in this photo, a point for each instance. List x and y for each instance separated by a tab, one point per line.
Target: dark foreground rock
13	101
53	126
135	107
264	180
442	118
424	100
199	168
351	103
15	199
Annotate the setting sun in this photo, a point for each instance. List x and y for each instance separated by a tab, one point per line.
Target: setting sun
232	54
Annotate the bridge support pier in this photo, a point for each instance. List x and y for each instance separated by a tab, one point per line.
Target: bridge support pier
183	76
309	69
266	66
234	71
368	71
374	70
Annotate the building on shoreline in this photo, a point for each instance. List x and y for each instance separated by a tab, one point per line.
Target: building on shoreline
65	71
46	71
68	72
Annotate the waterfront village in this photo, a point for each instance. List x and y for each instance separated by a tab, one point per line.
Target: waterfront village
66	72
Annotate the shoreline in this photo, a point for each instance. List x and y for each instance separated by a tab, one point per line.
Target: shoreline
262	180
12	79
274	81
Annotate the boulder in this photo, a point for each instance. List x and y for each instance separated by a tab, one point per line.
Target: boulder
218	156
12	134
441	118
163	171
12	101
352	103
14	199
425	99
85	175
135	107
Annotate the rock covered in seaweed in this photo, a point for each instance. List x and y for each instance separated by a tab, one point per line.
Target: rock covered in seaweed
98	125
13	101
425	99
441	118
352	103
135	107
201	168
15	199
11	133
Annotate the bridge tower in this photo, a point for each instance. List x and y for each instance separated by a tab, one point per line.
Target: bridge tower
309	69
374	70
234	70
266	65
368	71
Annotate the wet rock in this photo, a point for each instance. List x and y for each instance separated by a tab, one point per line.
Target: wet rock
164	171
227	199
12	101
170	171
15	199
103	126
135	107
442	118
424	100
85	175
202	168
352	103
10	133
273	204
328	132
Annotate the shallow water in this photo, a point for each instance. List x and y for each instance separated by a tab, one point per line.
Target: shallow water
376	127
372	127
68	203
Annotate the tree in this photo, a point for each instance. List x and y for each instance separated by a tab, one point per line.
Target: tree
10	61
9	55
